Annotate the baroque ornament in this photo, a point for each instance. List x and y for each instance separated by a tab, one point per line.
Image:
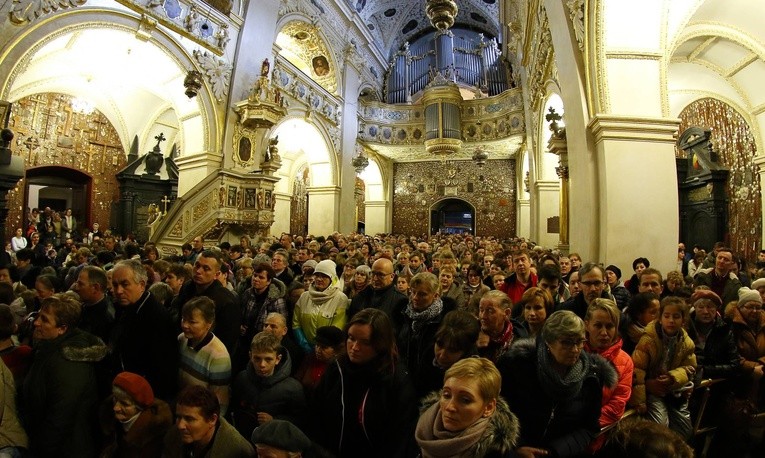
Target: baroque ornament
218	73
24	11
576	14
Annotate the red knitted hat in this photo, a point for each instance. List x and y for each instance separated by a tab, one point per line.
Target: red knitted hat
135	386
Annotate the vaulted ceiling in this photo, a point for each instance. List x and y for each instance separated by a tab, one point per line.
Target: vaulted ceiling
392	22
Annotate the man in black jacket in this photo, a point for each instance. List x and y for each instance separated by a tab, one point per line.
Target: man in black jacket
381	294
144	340
205	283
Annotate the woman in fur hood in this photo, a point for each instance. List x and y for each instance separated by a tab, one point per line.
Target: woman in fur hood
467	418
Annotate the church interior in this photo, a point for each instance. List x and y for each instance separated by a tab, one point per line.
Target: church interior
606	127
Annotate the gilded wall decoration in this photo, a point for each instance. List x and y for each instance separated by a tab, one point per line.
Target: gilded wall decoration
733	140
24	11
359	190
48	132
217	71
299	201
489	189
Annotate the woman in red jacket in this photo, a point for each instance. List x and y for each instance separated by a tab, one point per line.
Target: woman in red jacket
601	324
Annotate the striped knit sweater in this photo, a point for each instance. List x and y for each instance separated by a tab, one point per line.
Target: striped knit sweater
207	364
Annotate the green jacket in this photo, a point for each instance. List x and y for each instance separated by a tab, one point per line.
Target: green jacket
60	395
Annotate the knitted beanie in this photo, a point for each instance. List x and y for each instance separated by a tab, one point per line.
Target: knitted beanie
747	295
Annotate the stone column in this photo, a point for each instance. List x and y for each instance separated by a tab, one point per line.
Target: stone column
346	205
322	209
377	217
282	211
638	193
559	146
546	194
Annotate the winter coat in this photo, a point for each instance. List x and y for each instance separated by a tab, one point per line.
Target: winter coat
12	434
385	299
750	343
315	309
274	302
455	292
417	350
615	399
227	443
564	428
730	290
473	297
145	437
500	436
621	295
357	411
145	341
647	358
60	395
279	395
719	358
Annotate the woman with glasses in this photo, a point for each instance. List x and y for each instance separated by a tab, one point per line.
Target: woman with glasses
324	304
749	330
555	388
418	323
474	289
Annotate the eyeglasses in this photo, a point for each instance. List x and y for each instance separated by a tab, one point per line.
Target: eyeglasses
755	308
592	283
571	343
378	274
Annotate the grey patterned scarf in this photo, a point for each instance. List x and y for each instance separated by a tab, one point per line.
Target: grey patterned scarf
557	387
420	318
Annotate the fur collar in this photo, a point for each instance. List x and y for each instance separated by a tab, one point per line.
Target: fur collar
501	434
600	367
81	346
276	289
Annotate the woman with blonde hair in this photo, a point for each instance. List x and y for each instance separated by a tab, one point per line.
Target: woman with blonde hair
467	418
602	323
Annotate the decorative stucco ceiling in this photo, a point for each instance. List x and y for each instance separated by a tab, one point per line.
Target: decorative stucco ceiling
392	22
721	52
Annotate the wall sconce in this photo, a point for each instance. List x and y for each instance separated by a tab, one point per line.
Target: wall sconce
192	83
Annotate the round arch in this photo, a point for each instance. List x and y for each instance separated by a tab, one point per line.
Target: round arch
302	143
452	215
27	71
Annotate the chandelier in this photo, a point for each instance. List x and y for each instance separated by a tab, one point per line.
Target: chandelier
82	106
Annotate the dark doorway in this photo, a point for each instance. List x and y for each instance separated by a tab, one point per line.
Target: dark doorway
59	188
452	216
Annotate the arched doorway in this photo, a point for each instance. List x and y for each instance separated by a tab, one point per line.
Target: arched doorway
452	216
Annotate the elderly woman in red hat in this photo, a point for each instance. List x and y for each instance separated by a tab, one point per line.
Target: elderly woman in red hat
135	422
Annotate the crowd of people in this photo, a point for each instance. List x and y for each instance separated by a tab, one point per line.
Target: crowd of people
384	346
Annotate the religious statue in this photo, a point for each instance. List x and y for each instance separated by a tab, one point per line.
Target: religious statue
153	214
222	195
191	19
222	36
260	199
272	152
239	198
265	67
